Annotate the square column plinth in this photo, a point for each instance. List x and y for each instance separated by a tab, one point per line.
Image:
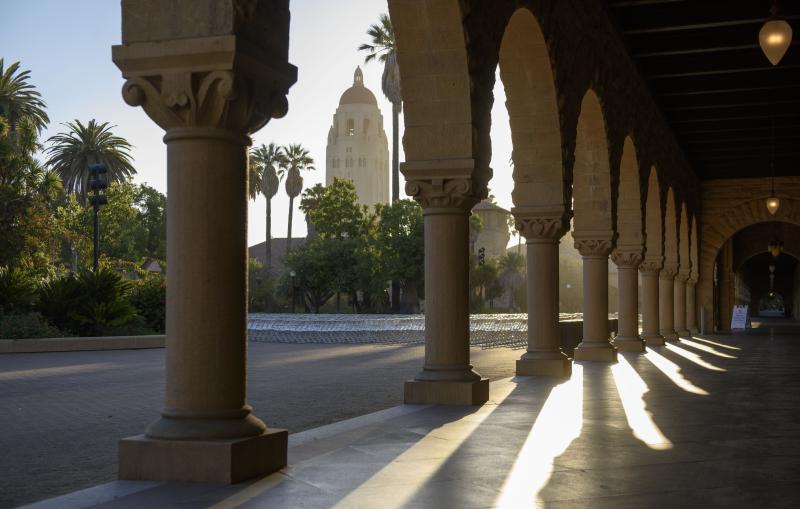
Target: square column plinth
424	392
592	351
225	461
630	345
561	367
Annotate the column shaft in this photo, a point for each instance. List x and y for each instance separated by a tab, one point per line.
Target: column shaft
544	355
447	376
666	302
691	307
650	306
628	338
596	344
680	306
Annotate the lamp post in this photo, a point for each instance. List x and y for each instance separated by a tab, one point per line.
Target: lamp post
292	275
97	182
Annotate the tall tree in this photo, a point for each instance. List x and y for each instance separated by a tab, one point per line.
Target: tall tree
297	159
267	168
71	153
382	48
19	99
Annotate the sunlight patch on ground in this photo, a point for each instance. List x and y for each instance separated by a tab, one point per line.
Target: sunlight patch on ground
673	372
706	348
631	389
721	345
557	425
693	357
29	374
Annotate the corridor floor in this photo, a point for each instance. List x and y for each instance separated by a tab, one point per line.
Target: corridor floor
707	422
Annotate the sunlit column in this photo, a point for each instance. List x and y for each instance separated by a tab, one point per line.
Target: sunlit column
680	304
447	376
650	269
666	303
628	339
544	355
691	304
208	96
596	343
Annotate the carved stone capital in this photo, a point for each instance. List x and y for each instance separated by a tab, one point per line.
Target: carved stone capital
682	276
650	266
668	272
207	82
626	259
594	247
440	193
533	228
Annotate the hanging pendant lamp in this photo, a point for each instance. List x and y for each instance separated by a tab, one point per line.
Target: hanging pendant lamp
775	36
773	202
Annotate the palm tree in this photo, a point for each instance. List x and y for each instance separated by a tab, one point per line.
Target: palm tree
18	98
297	159
382	47
73	151
266	172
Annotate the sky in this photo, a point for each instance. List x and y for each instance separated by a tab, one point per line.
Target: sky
67	47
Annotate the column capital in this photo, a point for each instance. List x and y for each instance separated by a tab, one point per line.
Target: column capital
668	272
593	247
205	82
651	266
534	225
682	275
438	193
626	258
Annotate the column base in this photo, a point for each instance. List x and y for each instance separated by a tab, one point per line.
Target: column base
685	334
694	330
226	461
629	344
551	364
653	339
430	392
669	335
600	352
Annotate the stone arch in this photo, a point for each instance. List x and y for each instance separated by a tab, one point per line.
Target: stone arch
654	231
752	240
716	230
671	258
629	202
532	107
591	174
683	242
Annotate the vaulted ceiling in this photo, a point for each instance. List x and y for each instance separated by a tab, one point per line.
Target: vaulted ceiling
728	106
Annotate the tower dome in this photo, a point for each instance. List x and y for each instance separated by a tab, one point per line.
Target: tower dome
358	93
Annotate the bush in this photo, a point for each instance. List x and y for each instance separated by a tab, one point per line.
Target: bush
149	297
17	291
28	325
90	304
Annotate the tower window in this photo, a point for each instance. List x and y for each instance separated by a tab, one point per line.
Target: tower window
351	127
366	125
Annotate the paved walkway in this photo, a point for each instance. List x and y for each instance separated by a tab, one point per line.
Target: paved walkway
61	414
711	422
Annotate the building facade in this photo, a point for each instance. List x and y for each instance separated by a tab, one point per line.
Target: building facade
357	146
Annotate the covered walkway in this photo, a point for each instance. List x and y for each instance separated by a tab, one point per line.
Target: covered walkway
711	421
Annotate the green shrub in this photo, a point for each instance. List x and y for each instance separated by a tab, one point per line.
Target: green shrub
89	304
27	325
149	297
17	291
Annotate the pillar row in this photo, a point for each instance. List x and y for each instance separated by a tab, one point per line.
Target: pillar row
596	343
650	269
544	355
666	303
447	376
628	338
691	304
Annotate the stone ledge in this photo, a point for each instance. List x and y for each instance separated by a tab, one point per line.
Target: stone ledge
81	344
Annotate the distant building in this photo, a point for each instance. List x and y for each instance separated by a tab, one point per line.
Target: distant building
357	146
278	245
495	235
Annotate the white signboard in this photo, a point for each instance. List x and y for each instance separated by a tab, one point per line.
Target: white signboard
739	317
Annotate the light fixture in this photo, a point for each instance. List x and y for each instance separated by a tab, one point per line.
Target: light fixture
775	36
773	202
775	248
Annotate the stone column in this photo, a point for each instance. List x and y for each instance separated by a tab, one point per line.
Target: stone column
650	269
680	304
596	344
208	93
628	339
447	377
544	355
666	303
691	304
